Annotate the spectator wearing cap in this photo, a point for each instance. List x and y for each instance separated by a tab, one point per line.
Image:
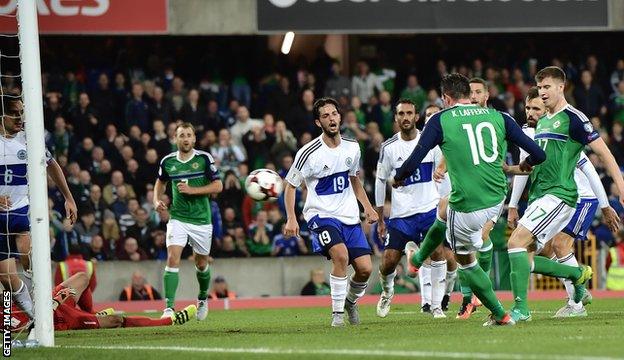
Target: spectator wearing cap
139	289
220	289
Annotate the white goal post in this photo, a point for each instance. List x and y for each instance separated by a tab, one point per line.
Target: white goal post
37	175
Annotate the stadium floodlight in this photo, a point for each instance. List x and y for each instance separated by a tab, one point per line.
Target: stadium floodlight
287	43
37	176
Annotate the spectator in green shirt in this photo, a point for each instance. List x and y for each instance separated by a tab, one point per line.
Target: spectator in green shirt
317	284
260	232
414	92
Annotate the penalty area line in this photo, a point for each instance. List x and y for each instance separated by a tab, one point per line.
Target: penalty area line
351	352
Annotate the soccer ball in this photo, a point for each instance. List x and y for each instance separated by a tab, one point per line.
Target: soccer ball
264	184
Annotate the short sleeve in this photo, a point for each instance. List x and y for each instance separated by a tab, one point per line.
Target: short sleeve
163	175
48	156
354	168
581	129
383	166
530	132
295	173
211	170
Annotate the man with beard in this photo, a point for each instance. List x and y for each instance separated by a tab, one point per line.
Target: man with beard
329	165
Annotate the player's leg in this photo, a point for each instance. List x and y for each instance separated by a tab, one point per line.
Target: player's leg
180	317
10	280
387	273
424	280
22	241
79	282
359	257
451	276
176	240
338	281
438	265
201	240
435	236
484	258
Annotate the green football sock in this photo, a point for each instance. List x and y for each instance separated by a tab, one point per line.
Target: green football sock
485	257
480	283
435	236
465	288
171	278
520	271
553	268
203	278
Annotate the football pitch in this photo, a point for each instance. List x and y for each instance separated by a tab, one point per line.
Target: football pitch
304	333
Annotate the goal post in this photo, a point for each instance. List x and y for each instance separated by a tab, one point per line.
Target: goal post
28	34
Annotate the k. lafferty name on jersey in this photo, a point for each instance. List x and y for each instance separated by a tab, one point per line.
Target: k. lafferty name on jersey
469	112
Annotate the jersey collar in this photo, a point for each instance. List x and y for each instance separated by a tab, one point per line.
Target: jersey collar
548	116
189	159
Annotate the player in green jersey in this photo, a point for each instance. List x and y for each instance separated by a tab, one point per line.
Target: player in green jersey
562	133
474	143
194	178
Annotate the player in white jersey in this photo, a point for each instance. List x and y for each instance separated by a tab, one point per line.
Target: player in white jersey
14	222
413	207
329	166
591	195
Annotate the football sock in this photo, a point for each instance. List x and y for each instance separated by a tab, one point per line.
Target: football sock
338	287
480	283
484	256
570	260
438	283
435	236
519	276
424	278
553	268
203	278
356	290
23	300
171	278
451	276
86	301
142	321
387	282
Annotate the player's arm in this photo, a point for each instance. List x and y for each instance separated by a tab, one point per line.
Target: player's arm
211	173
515	135
293	180
608	213
431	136
383	172
360	194
440	170
159	187
56	174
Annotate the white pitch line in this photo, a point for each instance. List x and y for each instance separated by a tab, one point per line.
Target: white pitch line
352	352
532	312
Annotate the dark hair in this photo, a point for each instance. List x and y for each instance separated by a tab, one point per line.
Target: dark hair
9	103
455	85
432	105
318	104
406	101
554	72
478	80
532	93
186	125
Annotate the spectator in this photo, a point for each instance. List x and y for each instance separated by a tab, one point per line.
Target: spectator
104	99
617	104
103	176
86	227
616	143
111	191
84	119
232	194
317	284
617	76
125	215
52	110
137	110
226	153
161	140
285	142
240	238
615	264
292	246
160	107
258	142
158	246
260	233
220	289
359	110
139	289
364	83
282	99
131	251
213	120
351	128
589	97
337	85
192	113
414	92
98	250
243	125
72	89
383	115
141	230
177	94
65	239
228	248
301	118
62	138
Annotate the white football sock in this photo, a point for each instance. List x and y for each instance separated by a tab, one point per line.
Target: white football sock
356	290
424	277
570	260
387	282
23	300
438	283
338	286
451	276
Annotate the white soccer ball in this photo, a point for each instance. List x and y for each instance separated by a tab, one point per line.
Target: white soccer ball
264	184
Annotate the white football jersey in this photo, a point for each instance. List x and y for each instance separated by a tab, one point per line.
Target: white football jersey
582	183
13	159
326	172
420	193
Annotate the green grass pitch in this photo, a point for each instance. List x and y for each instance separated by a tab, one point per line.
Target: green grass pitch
306	334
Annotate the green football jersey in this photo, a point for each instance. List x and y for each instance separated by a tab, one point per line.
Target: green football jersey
474	146
197	171
562	136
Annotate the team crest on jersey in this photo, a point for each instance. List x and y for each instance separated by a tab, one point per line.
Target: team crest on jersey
22	155
588	127
349	162
557	124
195	166
173	168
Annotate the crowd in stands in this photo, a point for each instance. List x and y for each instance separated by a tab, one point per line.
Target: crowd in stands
108	129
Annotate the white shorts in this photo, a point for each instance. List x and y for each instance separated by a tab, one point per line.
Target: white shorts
463	230
200	236
545	218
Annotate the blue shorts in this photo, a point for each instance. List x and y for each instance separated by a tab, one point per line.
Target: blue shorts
327	232
12	223
582	219
411	228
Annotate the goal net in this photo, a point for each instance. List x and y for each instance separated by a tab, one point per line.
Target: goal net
25	266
